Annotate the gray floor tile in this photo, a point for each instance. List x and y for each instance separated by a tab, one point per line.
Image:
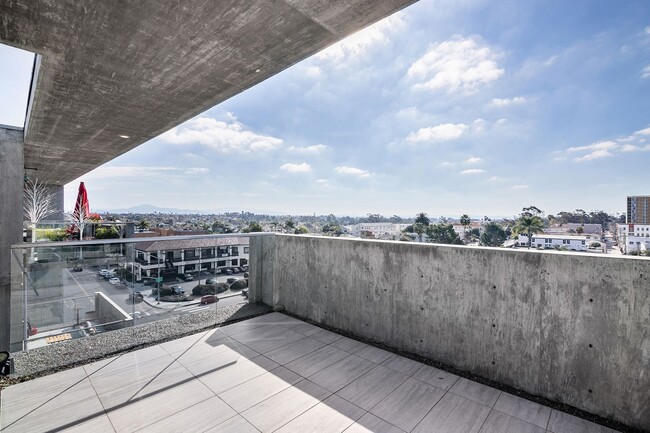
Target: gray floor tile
294	350
139	358
306	329
316	361
333	415
278	410
66	389
349	345
200	363
498	422
196	418
232	375
372	387
374	354
435	377
131	416
403	365
408	404
236	424
561	422
63	417
371	424
476	391
523	409
454	414
340	374
260	388
174	347
326	336
270	341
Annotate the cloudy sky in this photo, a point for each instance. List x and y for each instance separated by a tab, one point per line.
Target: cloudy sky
447	107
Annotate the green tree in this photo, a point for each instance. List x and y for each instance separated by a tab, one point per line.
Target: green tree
443	234
106	233
253	226
465	221
493	235
423	219
143	225
301	230
580	230
332	229
289	225
221	227
420	229
527	225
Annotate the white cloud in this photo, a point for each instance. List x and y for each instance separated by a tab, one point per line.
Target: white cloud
602	145
308	150
643	132
296	168
505	102
357	44
313	72
596	154
228	136
352	171
645	73
473	160
447	164
520	186
323	182
494	179
472	171
459	64
443	132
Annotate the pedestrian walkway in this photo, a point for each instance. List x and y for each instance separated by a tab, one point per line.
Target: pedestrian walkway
272	373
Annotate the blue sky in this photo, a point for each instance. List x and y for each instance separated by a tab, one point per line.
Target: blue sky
447	107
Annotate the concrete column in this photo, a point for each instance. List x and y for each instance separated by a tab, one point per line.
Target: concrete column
11	217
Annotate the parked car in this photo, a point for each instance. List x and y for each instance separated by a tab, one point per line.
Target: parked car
76	269
114	280
187	277
137	297
244	268
228	271
216	271
231	280
103	272
109	275
211	281
209	299
236	270
245	274
177	290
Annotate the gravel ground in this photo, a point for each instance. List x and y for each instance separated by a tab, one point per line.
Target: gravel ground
73	353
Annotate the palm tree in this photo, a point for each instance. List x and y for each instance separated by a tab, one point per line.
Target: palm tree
465	221
528	224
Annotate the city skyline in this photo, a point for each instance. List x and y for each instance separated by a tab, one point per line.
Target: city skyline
456	107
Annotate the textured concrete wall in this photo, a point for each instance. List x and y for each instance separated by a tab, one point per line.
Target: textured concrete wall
11	216
574	328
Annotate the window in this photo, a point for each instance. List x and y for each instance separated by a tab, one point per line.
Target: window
221	263
245	250
234	262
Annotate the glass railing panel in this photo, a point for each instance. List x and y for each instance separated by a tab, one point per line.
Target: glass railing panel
68	290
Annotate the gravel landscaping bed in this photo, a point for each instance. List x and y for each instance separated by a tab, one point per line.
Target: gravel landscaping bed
73	353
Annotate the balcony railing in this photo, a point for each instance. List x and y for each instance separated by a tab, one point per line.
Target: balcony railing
68	290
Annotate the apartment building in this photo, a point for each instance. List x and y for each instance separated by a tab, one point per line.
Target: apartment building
179	256
633	237
638	209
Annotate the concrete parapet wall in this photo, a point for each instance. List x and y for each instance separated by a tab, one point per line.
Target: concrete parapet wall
570	327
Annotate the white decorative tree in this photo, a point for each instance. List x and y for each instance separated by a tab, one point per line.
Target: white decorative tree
79	217
39	202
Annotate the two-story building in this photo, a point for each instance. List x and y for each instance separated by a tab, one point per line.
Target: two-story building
633	237
179	256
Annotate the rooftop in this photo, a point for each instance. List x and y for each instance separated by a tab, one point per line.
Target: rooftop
270	373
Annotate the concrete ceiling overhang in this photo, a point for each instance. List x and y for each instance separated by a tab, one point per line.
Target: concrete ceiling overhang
113	69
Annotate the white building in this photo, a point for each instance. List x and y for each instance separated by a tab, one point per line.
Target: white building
378	230
553	241
587	229
179	256
633	237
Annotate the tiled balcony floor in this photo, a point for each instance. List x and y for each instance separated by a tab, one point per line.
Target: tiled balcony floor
270	373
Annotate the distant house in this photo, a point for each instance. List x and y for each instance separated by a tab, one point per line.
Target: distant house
553	241
633	237
377	230
587	229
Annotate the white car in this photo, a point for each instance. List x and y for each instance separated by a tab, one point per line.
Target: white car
103	272
114	280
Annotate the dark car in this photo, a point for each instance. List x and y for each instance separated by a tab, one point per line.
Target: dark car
177	290
231	280
244	293
228	271
211	281
77	269
137	297
187	277
236	270
209	299
147	281
245	274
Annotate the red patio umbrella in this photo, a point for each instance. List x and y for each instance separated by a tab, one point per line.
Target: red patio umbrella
82	202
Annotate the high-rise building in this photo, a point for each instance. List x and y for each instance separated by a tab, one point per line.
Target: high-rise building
638	209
